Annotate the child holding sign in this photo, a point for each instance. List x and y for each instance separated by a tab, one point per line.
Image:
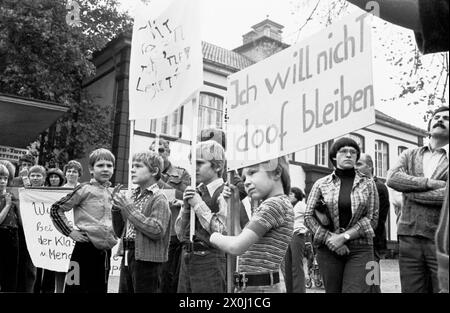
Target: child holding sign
9	236
263	243
203	267
91	203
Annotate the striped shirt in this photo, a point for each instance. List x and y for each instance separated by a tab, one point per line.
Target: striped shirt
273	222
364	207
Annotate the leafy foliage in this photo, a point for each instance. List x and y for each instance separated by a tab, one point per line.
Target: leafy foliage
42	57
417	78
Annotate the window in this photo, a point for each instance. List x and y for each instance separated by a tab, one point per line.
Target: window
359	140
381	158
322	154
210	111
401	149
291	157
169	125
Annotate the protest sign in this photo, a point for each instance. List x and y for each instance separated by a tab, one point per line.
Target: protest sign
166	64
313	91
48	248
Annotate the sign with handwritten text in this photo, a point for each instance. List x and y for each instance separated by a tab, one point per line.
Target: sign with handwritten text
314	91
166	64
48	248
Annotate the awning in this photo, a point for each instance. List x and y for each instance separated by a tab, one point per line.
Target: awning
23	119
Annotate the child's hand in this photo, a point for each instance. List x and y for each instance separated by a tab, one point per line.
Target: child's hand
116	190
8	199
226	193
120	200
78	236
191	196
23	172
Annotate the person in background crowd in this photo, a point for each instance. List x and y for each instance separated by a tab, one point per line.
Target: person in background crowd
45	279
27	271
51	279
54	178
179	179
365	166
263	242
92	204
9	235
292	268
72	171
219	136
203	267
25	162
143	222
421	175
352	202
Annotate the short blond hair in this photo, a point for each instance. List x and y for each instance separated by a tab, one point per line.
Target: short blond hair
212	152
151	160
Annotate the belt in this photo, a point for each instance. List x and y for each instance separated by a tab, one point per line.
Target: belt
243	280
128	244
196	246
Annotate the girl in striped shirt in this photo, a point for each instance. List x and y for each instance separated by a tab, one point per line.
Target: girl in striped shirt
263	242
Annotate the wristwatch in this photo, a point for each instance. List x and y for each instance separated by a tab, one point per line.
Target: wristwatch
346	236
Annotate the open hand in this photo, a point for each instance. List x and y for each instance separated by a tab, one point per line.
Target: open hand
8	199
120	200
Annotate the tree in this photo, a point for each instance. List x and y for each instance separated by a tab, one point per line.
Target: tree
45	58
418	78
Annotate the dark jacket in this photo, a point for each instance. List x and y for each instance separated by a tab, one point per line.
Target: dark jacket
379	241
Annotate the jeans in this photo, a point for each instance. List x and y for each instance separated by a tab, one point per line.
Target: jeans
376	288
9	244
91	276
139	276
348	273
418	265
202	272
171	269
292	267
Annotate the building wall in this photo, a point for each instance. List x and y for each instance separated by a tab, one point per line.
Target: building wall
111	91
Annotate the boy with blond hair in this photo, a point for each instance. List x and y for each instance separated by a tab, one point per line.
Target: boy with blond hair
143	222
91	205
203	267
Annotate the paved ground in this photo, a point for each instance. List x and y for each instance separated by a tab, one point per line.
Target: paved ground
390	279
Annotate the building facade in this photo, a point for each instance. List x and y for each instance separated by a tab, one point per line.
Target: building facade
384	140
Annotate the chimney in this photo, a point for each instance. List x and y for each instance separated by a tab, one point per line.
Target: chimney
262	41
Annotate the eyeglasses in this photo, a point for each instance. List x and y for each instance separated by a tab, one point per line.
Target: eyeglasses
346	151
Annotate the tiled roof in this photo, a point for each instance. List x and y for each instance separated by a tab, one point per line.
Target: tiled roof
388	118
224	57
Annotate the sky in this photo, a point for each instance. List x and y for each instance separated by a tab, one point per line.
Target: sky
225	21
